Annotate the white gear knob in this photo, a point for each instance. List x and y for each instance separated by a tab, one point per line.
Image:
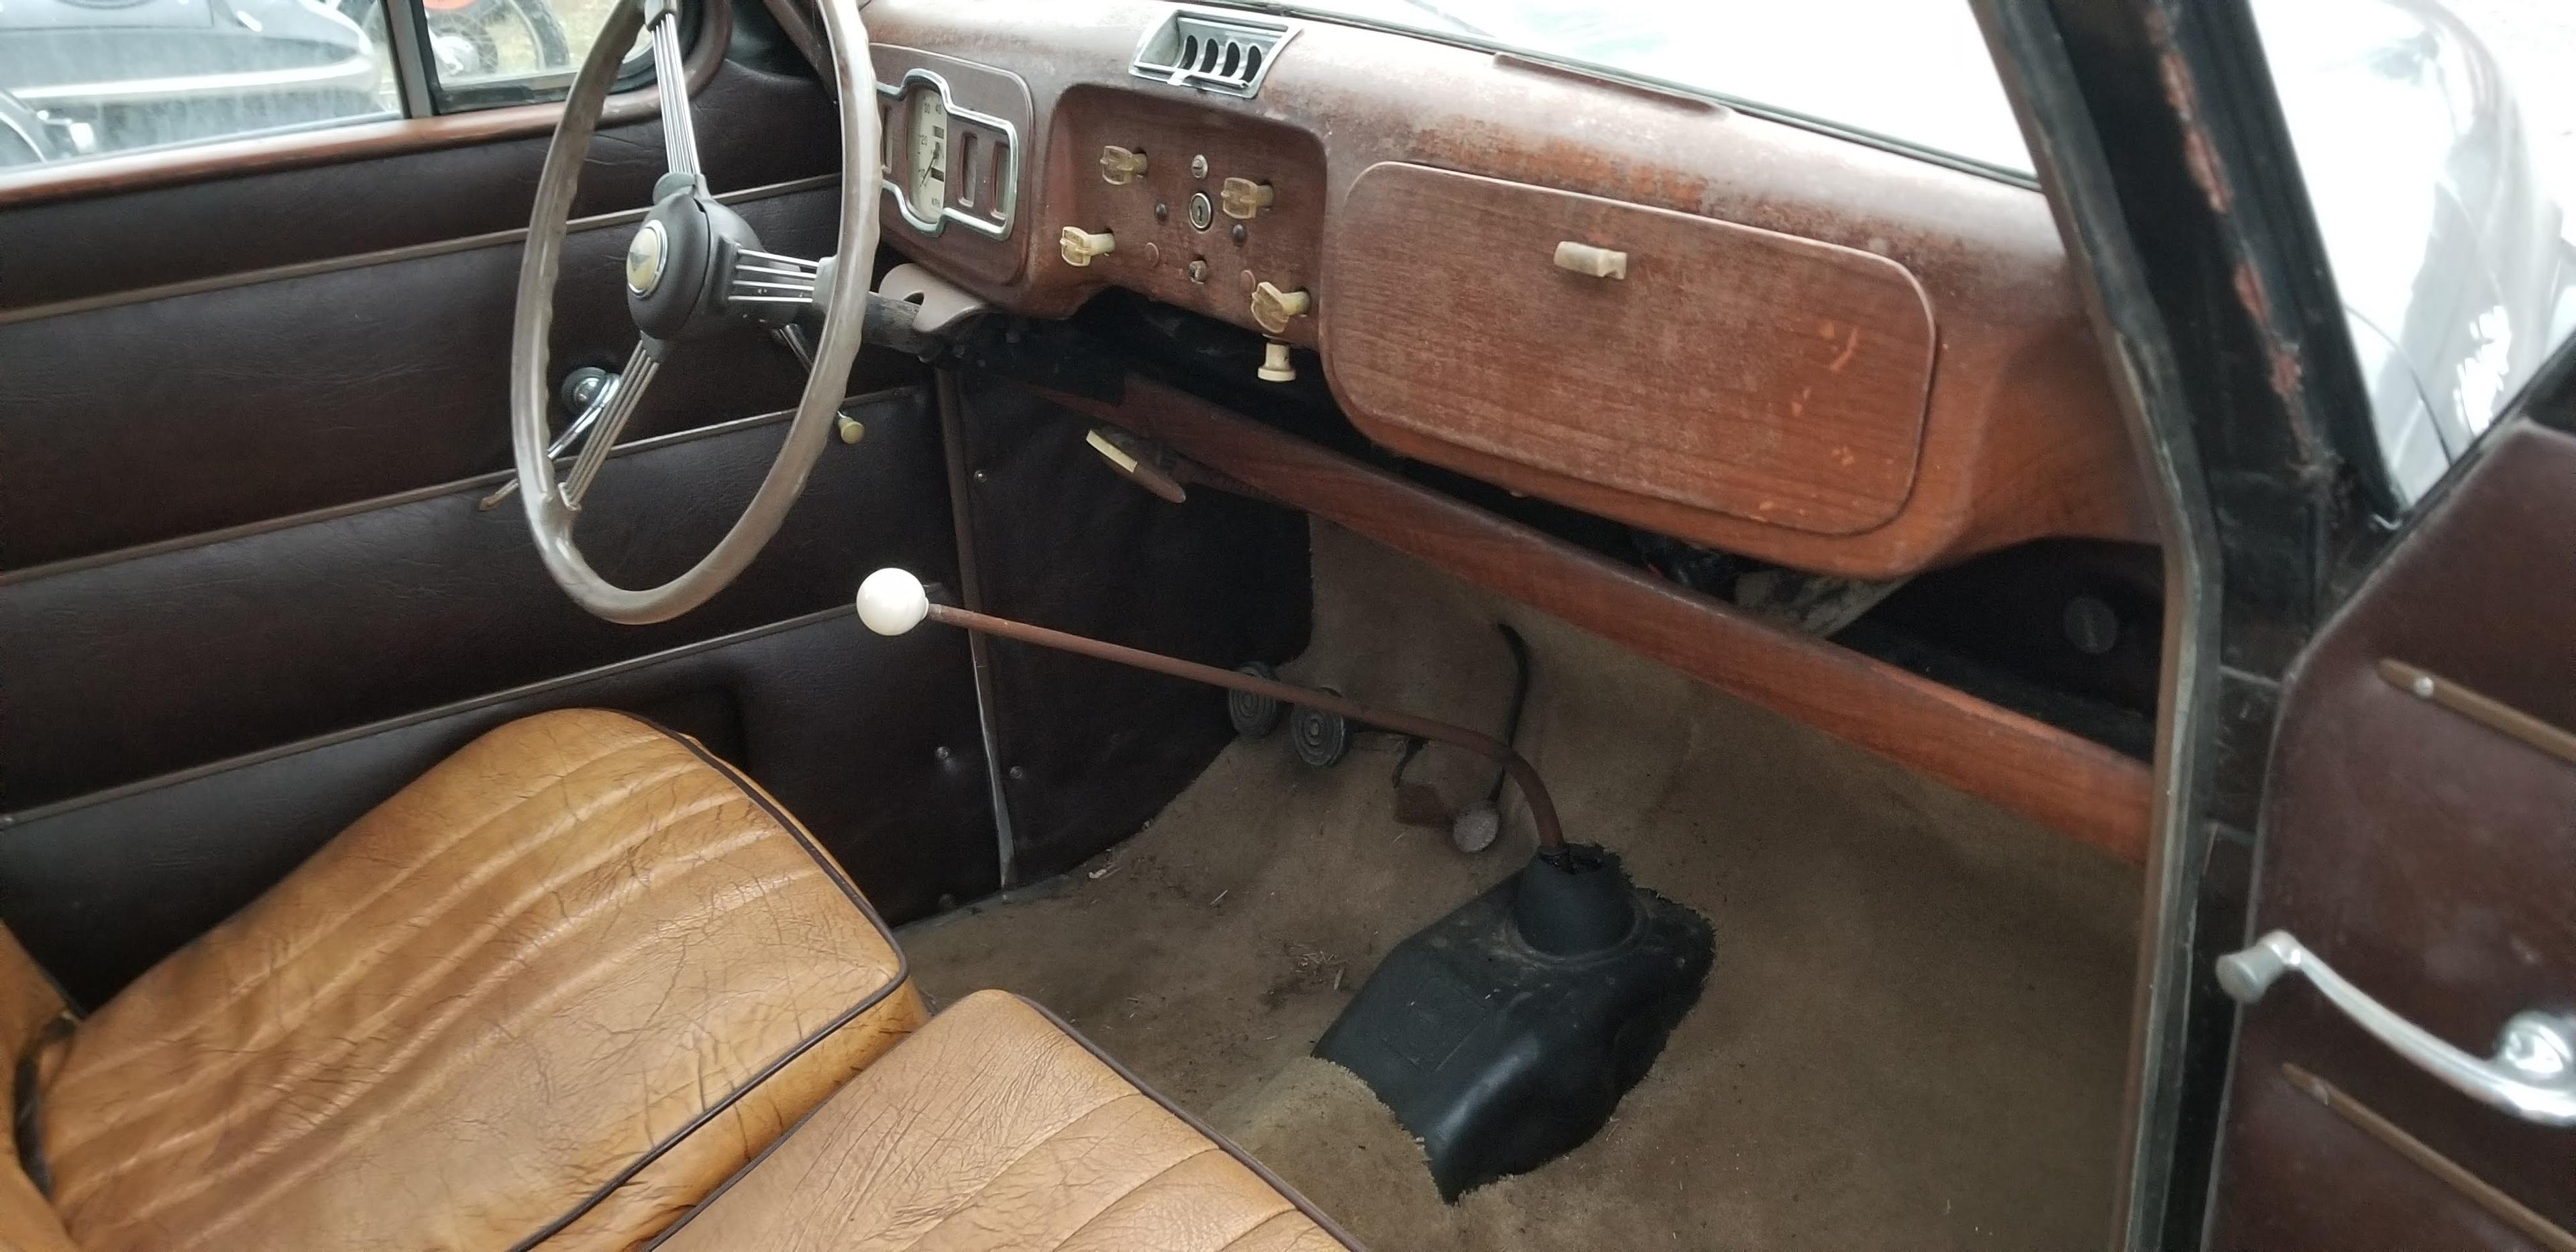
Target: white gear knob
892	602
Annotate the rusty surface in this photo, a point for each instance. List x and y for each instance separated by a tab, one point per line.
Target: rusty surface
1732	371
2021	437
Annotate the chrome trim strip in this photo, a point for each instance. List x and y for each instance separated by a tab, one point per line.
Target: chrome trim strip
1174	74
384	256
2476	1190
477	483
467	705
404	23
1008	209
2485	710
359	69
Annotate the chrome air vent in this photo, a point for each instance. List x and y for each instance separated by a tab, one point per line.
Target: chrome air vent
1223	53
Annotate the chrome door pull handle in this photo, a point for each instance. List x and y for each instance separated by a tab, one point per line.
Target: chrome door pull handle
2532	1074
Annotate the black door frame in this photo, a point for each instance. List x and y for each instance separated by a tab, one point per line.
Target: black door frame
2161	144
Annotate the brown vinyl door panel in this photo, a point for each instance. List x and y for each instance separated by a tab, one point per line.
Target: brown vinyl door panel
1731	370
246	423
123	670
185	414
2430	858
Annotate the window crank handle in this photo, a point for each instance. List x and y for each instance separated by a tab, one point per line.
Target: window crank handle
2532	1074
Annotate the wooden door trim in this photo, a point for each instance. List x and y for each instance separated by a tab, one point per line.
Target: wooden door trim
2067	783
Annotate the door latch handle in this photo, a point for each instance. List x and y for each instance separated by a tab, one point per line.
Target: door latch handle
2532	1074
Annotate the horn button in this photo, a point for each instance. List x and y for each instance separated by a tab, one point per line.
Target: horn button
675	265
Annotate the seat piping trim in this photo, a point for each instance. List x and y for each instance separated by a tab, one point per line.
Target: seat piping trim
1259	1170
1278	1184
831	871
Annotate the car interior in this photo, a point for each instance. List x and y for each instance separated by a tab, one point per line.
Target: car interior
1101	624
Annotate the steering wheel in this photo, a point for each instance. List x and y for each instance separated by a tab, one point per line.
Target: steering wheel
693	269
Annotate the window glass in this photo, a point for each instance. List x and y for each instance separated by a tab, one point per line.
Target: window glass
1915	71
88	77
85	78
2438	141
491	52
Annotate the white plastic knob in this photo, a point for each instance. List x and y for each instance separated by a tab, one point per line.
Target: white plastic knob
892	602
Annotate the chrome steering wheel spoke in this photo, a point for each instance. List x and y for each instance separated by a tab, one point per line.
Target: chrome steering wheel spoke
606	419
671	74
580	425
758	278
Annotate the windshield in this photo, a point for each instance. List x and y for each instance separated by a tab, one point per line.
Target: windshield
1916	71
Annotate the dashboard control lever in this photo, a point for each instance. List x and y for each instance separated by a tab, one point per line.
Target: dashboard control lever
1591	262
1242	197
1120	166
1135	463
1272	308
1080	246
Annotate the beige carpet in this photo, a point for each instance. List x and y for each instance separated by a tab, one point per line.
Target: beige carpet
1913	1036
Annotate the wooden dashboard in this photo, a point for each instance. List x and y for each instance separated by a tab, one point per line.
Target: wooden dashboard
1732	330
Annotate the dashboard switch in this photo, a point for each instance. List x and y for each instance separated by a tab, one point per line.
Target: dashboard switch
1591	261
1079	245
1118	166
1272	308
1243	197
1276	365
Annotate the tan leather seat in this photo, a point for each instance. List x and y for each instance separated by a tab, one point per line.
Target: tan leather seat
995	1127
552	992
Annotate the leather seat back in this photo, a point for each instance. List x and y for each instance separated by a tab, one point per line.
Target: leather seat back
30	1010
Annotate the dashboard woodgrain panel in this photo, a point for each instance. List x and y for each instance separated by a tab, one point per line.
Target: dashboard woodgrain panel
1281	244
1726	369
2021	437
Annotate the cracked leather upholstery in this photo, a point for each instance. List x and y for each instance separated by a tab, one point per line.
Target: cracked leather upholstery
29	1007
554	990
994	1128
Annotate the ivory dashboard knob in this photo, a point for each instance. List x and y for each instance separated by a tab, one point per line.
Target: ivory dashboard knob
891	601
1120	166
1242	197
1276	365
1079	245
1272	308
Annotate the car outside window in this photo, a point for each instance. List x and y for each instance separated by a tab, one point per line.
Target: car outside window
2437	139
88	78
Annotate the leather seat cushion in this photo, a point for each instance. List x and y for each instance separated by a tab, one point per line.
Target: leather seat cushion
995	1127
554	990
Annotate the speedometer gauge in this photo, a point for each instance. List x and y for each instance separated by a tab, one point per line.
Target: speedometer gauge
947	164
926	177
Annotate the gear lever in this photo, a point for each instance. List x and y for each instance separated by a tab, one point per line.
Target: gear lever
892	602
1547	996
